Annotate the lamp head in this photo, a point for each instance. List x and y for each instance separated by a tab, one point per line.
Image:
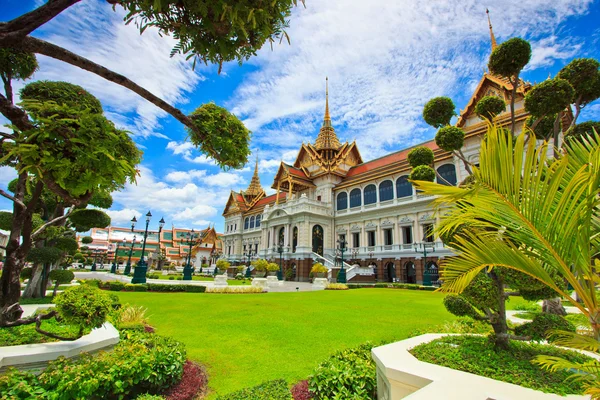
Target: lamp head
148	216
161	223
133	222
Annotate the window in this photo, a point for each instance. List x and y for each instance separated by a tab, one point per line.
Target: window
342	201
281	239
407	233
318	198
235	227
355	198
448	172
388	237
386	191
371	237
428	233
246	223
258	221
370	194
294	239
252	222
227	228
403	187
356	239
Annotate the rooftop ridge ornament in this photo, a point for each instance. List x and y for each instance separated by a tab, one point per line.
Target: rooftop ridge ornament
493	38
255	188
327	139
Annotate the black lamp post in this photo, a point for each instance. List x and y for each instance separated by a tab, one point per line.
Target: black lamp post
341	276
95	256
188	269
248	271
139	272
280	250
115	267
128	266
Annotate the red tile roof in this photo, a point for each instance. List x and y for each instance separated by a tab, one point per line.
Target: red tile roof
392	158
297	172
270	199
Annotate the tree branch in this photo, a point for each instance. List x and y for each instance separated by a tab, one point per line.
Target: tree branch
39	46
42	228
30	320
8	135
65	195
12	198
38	323
16	115
16	29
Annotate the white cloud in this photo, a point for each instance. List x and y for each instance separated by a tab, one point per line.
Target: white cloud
183	148
224	179
199	211
185	176
546	51
7	174
123	217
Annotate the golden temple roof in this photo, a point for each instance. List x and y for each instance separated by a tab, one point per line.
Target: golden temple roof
254	189
327	139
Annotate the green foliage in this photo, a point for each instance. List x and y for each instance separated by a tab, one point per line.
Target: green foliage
42	255
450	138
62	93
217	31
420	156
460	307
439	111
87	240
16	64
260	265
271	390
26	273
101	199
163	287
83	306
116	286
582	130
319	268
489	106
66	244
147	396
549	97
86	219
544	129
6	220
529	306
510	57
422	173
584	76
477	355
529	288
131	287
481	293
347	374
138	363
272	267
61	276
223	264
220	135
26	334
15	384
541	324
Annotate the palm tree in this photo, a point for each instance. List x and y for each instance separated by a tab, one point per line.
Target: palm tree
534	214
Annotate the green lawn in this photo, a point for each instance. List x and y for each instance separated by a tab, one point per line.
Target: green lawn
248	339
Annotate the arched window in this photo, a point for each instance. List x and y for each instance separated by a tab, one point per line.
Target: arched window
448	172
252	222
342	201
386	191
403	187
294	239
281	239
258	221
246	223
355	198
370	194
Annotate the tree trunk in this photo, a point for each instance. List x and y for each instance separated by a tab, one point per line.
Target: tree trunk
32	291
554	306
498	320
513	121
55	289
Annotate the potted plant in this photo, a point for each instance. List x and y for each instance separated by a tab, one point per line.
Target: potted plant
272	268
319	270
260	267
222	265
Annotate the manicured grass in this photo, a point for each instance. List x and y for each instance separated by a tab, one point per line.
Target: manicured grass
248	339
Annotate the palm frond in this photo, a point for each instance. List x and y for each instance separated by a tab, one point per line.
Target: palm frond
574	341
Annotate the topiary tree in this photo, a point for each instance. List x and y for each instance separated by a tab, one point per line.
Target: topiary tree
420	159
584	75
101	199
15	64
222	265
439	111
60	277
422	173
538	329
260	265
86	240
67	244
43	255
272	267
544	127
84	220
508	60
580	131
489	106
6	220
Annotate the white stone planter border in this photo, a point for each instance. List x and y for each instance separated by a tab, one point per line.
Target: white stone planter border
37	356
401	376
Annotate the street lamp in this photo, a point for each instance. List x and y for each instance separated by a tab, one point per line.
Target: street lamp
128	266
280	250
424	252
188	270
139	272
96	251
115	267
341	276
354	254
248	271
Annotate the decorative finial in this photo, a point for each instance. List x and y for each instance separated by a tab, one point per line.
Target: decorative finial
494	44
327	116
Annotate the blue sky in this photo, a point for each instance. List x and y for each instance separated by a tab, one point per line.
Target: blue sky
384	60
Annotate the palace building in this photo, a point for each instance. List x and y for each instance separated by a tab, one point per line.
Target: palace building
330	194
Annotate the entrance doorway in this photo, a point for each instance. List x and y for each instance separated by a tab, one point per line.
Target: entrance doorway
317	240
430	274
410	272
390	270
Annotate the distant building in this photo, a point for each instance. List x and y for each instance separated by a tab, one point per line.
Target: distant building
173	244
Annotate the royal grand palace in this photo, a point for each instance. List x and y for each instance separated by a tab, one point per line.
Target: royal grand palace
330	194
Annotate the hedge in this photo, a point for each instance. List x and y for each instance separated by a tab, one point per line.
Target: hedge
271	390
151	287
410	286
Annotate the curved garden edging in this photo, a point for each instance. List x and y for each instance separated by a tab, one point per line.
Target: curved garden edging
400	375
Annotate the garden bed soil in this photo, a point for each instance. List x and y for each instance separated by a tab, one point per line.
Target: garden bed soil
193	383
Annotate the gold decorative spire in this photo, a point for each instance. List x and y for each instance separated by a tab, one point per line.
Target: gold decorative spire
254	189
327	139
494	44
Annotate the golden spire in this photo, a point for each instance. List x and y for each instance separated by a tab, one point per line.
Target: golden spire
494	44
327	138
254	189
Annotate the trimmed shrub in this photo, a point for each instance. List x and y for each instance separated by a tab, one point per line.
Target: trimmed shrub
132	287
347	374
450	138
116	286
26	273
235	289
163	287
61	276
538	328
439	111
271	390
422	173
336	286
489	106
84	306
420	156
